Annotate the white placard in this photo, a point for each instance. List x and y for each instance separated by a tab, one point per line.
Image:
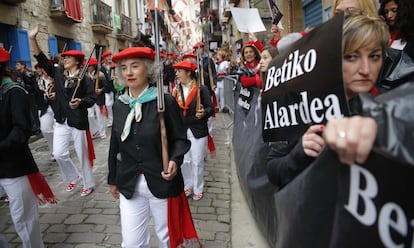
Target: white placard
247	20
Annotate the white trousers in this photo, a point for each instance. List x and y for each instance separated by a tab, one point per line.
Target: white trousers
193	165
109	102
220	94
61	140
135	216
96	120
23	210
47	125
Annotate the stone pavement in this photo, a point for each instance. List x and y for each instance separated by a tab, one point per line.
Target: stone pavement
221	218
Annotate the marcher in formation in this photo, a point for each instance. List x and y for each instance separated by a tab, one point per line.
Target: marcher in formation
20	178
72	97
136	175
196	107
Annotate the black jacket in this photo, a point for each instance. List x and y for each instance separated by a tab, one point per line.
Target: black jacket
198	127
141	151
15	129
206	63
77	118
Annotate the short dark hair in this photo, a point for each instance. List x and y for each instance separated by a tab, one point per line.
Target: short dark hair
21	62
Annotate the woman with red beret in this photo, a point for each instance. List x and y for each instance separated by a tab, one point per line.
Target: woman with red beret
195	121
19	175
70	103
136	176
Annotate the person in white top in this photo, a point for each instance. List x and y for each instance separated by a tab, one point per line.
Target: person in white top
222	71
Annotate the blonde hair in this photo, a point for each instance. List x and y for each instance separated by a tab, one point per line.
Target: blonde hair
360	30
221	53
368	7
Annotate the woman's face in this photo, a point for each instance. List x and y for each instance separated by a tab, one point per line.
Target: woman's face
135	73
347	5
249	55
69	62
390	10
183	75
361	68
264	61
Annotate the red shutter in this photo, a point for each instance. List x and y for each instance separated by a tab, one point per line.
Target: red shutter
73	10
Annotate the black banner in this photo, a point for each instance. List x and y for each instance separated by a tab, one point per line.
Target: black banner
304	84
335	205
275	12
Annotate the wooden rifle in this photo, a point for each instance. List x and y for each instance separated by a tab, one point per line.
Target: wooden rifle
83	72
160	96
200	78
60	57
98	69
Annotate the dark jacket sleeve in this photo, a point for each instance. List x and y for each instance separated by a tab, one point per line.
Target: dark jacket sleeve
88	92
112	157
178	145
285	162
205	100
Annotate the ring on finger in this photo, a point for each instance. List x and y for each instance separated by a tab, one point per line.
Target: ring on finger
342	134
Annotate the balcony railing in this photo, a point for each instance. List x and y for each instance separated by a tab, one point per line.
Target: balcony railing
101	17
125	32
13	2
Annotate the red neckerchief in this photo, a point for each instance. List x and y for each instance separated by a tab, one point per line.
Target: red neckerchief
248	65
178	95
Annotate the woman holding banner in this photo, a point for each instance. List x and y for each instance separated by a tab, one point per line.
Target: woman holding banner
364	42
136	176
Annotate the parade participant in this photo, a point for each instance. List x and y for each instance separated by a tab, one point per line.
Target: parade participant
195	121
364	42
110	95
136	176
208	78
209	69
19	176
46	85
27	79
168	72
223	70
98	113
72	98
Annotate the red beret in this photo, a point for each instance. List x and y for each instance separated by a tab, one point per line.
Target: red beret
170	53
4	55
186	65
93	62
201	44
134	52
162	55
189	56
74	53
106	54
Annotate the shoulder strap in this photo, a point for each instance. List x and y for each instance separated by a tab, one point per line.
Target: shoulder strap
6	87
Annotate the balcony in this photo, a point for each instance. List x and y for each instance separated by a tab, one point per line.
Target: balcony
101	17
74	15
125	30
